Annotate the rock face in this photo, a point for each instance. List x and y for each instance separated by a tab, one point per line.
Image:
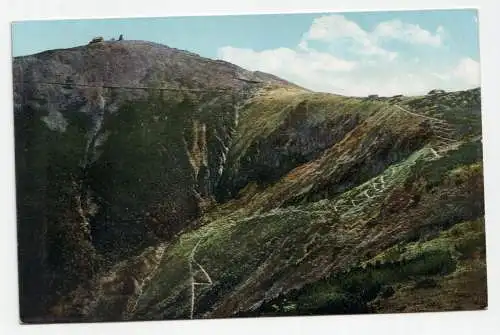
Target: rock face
142	169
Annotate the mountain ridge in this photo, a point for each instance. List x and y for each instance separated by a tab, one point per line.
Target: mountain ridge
126	198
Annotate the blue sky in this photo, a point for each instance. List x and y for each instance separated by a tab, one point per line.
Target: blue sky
352	53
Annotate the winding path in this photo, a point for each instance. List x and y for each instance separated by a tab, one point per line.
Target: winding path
443	132
192	260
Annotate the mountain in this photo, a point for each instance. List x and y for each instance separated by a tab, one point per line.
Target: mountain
153	183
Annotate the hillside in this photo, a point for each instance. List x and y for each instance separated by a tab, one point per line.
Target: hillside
156	184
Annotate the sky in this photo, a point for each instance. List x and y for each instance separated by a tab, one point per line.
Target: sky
359	53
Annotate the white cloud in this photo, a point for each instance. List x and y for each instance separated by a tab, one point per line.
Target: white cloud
468	71
311	69
288	60
407	32
336	28
375	70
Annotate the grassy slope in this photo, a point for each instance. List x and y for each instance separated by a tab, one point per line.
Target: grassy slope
282	247
255	250
282	128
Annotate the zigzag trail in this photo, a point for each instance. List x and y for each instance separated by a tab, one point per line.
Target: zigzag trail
442	130
443	140
366	195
